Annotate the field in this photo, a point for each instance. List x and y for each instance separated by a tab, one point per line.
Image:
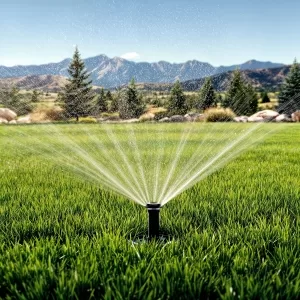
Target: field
234	235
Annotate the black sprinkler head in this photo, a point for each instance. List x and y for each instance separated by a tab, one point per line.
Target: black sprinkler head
153	220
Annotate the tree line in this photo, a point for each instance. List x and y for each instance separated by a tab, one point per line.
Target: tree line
79	99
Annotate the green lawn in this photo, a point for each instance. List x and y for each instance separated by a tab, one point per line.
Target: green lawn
233	235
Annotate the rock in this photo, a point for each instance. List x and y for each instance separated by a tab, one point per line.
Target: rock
12	122
256	119
283	118
7	114
241	119
267	115
24	120
177	118
194	117
3	121
296	116
188	118
164	120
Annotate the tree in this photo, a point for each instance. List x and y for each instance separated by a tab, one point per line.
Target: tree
251	100
207	97
77	94
101	102
265	98
177	100
109	96
35	96
289	97
240	97
130	104
15	101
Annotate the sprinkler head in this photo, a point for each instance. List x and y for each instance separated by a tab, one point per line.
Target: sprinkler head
153	220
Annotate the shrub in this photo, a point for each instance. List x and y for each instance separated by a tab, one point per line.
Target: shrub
161	114
146	117
47	114
219	115
87	120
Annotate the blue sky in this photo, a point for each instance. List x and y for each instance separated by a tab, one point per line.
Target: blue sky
216	31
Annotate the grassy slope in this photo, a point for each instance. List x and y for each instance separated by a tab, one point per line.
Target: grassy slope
235	234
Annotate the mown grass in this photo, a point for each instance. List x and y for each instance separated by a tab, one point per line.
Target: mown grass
235	235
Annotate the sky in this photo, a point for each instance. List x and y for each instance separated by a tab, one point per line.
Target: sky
216	31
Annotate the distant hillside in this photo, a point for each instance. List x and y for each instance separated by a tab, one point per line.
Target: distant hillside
111	72
262	78
51	83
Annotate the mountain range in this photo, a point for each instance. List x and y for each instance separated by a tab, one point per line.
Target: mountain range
113	72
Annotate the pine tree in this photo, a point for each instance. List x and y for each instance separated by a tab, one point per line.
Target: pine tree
130	104
207	97
177	100
251	99
289	98
35	96
241	97
77	94
265	98
109	96
14	100
101	102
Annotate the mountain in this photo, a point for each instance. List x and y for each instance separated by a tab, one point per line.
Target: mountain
111	72
262	78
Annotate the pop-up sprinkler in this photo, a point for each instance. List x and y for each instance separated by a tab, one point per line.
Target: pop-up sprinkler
153	220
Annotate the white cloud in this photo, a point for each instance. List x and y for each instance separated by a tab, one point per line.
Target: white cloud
131	56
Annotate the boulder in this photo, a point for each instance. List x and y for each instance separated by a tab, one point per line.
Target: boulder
8	114
177	118
296	116
194	117
164	120
24	120
3	121
256	119
283	118
241	119
267	115
12	122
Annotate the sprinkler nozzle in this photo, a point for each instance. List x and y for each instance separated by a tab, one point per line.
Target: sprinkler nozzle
153	220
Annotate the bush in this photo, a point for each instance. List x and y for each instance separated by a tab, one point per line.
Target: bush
47	114
87	120
146	117
219	115
161	114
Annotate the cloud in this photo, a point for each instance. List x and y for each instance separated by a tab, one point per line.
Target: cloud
131	56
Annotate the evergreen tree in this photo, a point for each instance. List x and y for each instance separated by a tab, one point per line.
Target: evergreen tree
207	96
241	97
251	100
35	96
265	98
289	98
177	101
130	104
101	102
109	96
77	94
14	100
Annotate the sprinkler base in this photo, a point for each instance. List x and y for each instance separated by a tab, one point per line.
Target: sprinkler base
153	220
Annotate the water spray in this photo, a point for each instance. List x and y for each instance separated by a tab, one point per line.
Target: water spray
153	220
